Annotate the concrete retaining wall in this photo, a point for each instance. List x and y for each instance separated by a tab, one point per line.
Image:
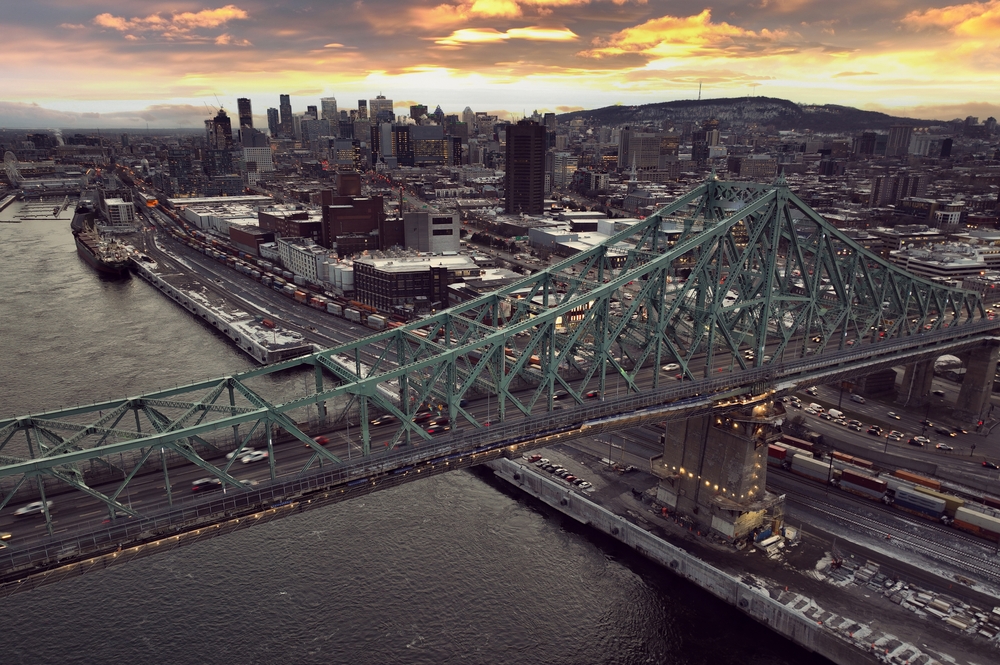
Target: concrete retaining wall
751	601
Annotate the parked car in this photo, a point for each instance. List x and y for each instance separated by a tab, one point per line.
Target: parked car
584	485
33	507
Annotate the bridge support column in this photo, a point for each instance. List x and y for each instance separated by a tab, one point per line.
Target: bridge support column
917	383
714	468
977	384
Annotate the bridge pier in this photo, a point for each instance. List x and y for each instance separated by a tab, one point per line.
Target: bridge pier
714	469
917	383
977	384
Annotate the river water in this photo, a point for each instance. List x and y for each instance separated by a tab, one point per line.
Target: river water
452	569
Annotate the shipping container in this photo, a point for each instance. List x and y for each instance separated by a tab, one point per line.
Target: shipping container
335	309
805	465
776	455
267	323
288	289
300	296
917	480
352	315
863	484
918	503
952	503
978	523
801	444
376	322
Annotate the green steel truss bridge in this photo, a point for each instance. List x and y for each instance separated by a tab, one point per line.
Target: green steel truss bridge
735	289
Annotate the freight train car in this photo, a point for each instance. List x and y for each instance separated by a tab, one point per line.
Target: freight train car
376	322
776	455
981	524
805	465
951	503
862	484
918	503
917	480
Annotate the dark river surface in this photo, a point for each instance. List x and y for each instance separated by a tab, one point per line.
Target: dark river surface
452	569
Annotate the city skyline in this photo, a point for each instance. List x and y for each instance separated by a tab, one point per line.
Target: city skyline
100	64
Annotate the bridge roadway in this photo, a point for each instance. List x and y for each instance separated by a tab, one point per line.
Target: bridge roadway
80	534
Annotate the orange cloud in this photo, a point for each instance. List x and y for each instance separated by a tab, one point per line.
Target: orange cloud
178	23
488	35
463	11
674	36
225	39
975	19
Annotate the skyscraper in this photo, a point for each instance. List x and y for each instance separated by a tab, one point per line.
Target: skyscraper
328	112
525	181
381	109
220	131
246	115
273	122
363	109
898	142
287	124
417	111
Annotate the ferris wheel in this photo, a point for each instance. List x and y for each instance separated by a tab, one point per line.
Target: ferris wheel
10	166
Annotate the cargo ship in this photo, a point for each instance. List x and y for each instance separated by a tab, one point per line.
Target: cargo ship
108	257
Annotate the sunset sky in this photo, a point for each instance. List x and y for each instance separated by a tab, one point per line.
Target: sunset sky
89	63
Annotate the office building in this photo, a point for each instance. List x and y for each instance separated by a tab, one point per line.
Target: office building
273	122
245	112
328	109
381	110
362	109
418	111
219	131
431	232
287	124
524	189
257	161
898	141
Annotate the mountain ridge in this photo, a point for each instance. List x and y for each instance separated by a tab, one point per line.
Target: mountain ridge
781	113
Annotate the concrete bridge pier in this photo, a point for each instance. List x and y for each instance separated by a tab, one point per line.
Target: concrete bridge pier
917	382
977	384
714	468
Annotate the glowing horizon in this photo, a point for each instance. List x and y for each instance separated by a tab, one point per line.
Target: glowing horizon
126	64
